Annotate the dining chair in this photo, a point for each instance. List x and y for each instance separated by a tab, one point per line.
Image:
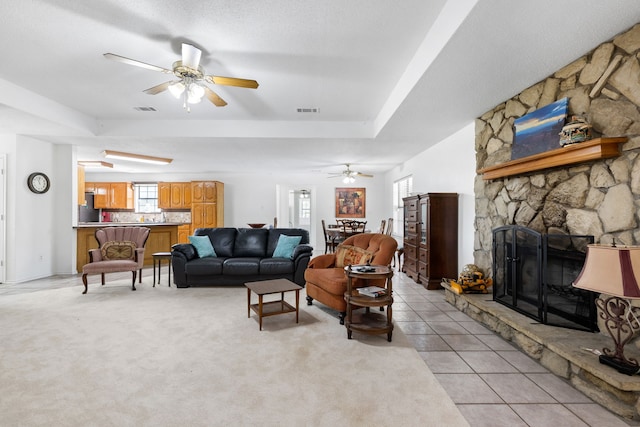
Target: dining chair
329	241
383	223
389	231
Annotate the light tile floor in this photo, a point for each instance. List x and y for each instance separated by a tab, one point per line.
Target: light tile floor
491	381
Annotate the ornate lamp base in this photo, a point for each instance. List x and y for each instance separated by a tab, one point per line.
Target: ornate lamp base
621	322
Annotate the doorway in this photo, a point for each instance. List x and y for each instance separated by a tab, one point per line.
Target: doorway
295	208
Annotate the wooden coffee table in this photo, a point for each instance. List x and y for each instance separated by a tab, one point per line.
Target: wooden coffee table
271	308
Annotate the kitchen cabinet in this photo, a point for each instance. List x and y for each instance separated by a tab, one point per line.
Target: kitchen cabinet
174	195
206	191
113	195
207	204
184	231
431	238
81	186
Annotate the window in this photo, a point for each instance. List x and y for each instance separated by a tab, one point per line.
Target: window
146	198
401	188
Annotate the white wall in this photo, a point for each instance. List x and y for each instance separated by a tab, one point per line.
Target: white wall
449	166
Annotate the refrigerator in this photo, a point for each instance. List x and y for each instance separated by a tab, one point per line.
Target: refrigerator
88	213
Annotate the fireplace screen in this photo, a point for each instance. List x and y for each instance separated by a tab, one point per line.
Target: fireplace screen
533	275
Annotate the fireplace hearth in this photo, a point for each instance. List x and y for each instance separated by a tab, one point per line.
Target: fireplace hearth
533	274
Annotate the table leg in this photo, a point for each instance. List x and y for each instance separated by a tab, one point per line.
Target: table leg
159	269
260	310
169	272
154	272
297	304
248	302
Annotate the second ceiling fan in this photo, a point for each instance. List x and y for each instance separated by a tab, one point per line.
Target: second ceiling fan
191	84
349	176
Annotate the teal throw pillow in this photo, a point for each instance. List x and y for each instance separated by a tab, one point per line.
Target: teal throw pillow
286	245
203	246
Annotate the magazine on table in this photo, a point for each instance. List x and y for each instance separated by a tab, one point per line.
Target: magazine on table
372	291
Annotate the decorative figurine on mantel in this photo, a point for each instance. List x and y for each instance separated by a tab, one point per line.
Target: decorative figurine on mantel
577	130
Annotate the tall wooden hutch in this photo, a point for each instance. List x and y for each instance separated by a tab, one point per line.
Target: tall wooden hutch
431	238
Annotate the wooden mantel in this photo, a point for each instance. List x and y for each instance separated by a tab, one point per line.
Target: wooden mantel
594	149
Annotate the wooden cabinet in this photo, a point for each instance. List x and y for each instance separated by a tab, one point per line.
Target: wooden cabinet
174	195
431	238
207	204
184	231
112	195
205	191
410	264
81	187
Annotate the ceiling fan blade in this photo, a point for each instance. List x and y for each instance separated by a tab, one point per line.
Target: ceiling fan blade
191	56
158	88
129	61
364	175
232	81
214	98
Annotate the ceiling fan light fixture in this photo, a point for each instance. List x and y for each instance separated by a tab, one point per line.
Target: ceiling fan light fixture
195	93
176	89
348	179
120	155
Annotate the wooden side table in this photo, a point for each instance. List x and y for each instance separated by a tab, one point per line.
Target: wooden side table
271	308
368	322
159	256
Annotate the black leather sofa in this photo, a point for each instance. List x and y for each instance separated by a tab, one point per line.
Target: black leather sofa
243	255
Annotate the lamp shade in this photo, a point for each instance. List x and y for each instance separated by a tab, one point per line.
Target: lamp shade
611	270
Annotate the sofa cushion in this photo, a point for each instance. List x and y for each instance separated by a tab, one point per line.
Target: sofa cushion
276	266
275	233
332	280
251	242
203	246
352	255
204	266
286	245
241	266
223	239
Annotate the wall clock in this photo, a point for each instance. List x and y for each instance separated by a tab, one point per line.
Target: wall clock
38	182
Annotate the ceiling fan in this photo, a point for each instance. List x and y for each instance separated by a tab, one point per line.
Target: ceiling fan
349	176
191	84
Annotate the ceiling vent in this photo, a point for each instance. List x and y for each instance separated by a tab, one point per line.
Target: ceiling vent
308	110
144	109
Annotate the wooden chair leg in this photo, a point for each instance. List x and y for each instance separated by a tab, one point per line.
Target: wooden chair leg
84	281
133	282
140	276
102	278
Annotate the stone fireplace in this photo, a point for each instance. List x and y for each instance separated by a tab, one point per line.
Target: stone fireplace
598	198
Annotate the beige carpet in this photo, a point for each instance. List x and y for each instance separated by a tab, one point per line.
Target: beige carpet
191	357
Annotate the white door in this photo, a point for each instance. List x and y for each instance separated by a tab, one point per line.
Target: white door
295	208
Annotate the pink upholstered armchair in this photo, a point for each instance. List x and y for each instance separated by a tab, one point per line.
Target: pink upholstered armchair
120	249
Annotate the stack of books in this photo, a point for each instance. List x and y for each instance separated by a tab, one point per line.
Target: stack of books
372	291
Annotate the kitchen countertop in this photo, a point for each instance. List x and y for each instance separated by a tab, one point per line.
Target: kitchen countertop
128	224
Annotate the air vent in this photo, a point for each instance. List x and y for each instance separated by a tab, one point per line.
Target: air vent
144	109
308	110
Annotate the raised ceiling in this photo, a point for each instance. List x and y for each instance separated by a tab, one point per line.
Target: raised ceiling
389	78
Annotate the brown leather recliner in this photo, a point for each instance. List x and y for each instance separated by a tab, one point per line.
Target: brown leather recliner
327	283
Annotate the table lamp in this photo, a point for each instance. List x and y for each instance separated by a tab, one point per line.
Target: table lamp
614	271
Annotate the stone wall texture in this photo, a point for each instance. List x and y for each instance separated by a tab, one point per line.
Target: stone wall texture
599	198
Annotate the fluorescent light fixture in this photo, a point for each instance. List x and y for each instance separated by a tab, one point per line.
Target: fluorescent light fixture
95	164
136	157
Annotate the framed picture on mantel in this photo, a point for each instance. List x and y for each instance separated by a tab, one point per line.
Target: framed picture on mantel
350	202
539	130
